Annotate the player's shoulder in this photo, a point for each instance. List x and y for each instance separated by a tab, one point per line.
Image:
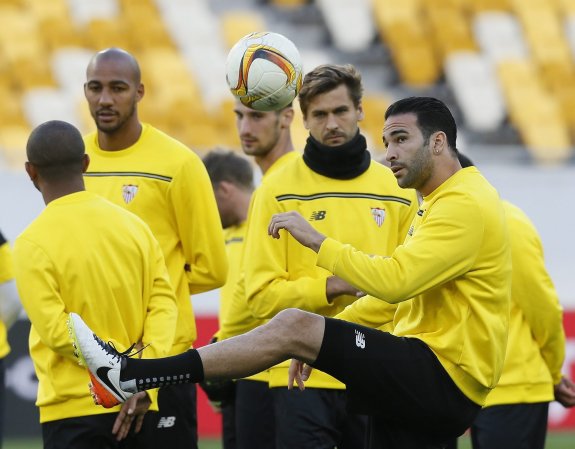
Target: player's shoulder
163	142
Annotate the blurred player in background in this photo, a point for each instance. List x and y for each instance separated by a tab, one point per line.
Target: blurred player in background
250	421
85	254
145	171
348	196
10	307
232	178
515	412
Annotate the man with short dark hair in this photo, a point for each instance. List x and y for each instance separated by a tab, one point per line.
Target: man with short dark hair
83	254
424	382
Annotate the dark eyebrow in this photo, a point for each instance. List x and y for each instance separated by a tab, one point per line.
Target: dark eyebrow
398	131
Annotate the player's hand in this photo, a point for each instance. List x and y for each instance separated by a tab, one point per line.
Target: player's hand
565	392
300	372
298	227
132	412
335	286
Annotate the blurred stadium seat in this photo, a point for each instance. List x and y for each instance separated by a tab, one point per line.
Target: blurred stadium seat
506	67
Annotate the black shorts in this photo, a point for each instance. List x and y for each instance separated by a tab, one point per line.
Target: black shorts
398	380
84	432
175	425
316	418
254	415
511	426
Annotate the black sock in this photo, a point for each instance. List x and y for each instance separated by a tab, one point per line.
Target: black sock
153	373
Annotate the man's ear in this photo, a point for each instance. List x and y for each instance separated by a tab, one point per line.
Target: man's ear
286	117
141	91
31	170
438	142
85	163
225	188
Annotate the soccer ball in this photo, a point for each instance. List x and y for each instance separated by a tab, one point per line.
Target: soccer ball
264	71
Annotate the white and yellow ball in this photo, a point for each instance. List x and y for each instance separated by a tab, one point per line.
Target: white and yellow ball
264	71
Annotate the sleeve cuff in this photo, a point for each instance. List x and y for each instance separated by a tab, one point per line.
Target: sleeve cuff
328	254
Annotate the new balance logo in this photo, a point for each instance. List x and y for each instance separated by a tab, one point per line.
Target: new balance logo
317	215
359	339
167	421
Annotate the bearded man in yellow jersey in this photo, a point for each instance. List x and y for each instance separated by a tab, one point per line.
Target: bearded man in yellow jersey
10	307
85	254
425	382
350	197
145	171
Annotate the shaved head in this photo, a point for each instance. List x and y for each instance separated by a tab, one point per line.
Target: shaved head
119	57
56	148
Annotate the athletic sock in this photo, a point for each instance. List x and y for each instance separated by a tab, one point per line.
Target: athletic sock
144	374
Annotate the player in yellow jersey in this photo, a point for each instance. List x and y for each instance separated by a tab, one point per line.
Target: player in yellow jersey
85	254
425	382
232	178
249	421
336	185
10	307
515	412
145	171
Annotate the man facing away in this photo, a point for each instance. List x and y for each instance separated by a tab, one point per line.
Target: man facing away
84	254
143	170
516	410
425	382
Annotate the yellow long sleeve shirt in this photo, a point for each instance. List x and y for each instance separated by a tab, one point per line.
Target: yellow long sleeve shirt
369	211
536	344
83	254
166	185
6	274
235	316
451	279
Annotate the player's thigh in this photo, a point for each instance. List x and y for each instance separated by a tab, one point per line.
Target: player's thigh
84	432
254	415
398	378
512	426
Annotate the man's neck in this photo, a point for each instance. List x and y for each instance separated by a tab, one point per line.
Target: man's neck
121	139
265	162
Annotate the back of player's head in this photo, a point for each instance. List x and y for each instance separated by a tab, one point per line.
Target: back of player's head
432	116
327	77
56	148
226	165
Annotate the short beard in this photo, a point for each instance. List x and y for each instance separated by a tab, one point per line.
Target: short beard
115	128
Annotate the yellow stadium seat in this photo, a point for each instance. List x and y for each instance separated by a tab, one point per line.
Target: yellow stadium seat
236	25
451	31
105	33
289	3
477	6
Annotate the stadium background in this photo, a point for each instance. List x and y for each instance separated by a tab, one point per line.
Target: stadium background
505	67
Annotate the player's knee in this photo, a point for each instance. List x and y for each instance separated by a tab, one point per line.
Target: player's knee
292	323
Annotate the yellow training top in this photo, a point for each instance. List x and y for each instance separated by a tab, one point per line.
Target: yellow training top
166	185
536	344
83	254
451	278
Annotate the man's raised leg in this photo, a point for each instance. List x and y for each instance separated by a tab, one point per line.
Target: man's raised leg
290	334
